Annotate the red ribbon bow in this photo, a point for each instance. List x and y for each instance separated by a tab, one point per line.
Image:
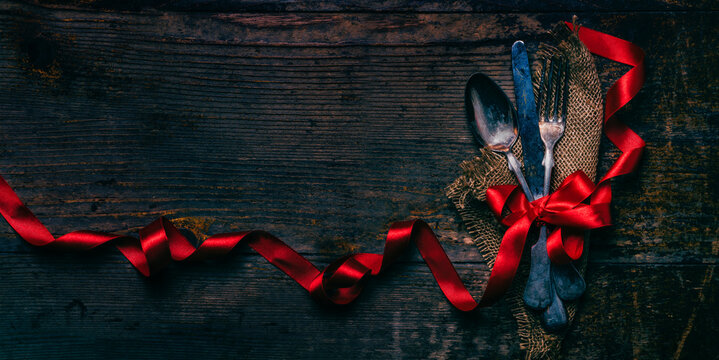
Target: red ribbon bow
564	208
342	281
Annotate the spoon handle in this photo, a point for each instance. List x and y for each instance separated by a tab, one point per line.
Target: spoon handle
567	281
513	164
554	317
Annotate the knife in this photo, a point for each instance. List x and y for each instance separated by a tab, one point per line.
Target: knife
539	293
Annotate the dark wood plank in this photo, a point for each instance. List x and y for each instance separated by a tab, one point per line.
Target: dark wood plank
646	312
412	6
245	307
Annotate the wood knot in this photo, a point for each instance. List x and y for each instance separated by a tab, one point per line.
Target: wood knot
40	54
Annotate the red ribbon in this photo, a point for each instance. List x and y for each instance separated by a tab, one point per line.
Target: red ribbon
342	281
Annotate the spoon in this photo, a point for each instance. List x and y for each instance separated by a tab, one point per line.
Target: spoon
494	121
494	124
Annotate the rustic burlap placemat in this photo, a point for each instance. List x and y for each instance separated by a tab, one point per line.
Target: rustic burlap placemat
577	150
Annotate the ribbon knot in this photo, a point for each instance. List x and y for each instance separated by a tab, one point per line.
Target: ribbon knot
537	210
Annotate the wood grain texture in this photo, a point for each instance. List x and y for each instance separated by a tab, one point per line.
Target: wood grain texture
411	6
243	307
323	125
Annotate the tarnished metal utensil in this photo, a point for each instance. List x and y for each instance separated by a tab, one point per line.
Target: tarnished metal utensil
567	281
538	290
493	121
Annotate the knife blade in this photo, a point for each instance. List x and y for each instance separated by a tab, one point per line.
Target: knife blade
532	146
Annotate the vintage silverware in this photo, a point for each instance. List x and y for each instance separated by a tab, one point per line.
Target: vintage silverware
551	128
538	291
493	121
567	281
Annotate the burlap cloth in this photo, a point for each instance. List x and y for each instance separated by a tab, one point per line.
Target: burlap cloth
577	150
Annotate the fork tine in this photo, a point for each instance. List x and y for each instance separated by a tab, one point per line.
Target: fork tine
542	91
557	91
565	93
548	89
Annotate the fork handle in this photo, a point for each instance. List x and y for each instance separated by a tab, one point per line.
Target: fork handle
548	163
567	281
554	317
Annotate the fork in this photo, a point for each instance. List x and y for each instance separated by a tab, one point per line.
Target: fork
551	128
539	293
568	283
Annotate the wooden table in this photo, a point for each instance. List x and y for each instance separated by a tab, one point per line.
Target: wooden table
322	123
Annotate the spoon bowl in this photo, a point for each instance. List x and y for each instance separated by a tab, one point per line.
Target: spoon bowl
493	120
490	113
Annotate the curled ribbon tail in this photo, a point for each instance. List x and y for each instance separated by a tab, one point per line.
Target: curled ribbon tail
618	95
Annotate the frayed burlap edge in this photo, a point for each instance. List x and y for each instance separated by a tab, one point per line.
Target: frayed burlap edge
577	150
